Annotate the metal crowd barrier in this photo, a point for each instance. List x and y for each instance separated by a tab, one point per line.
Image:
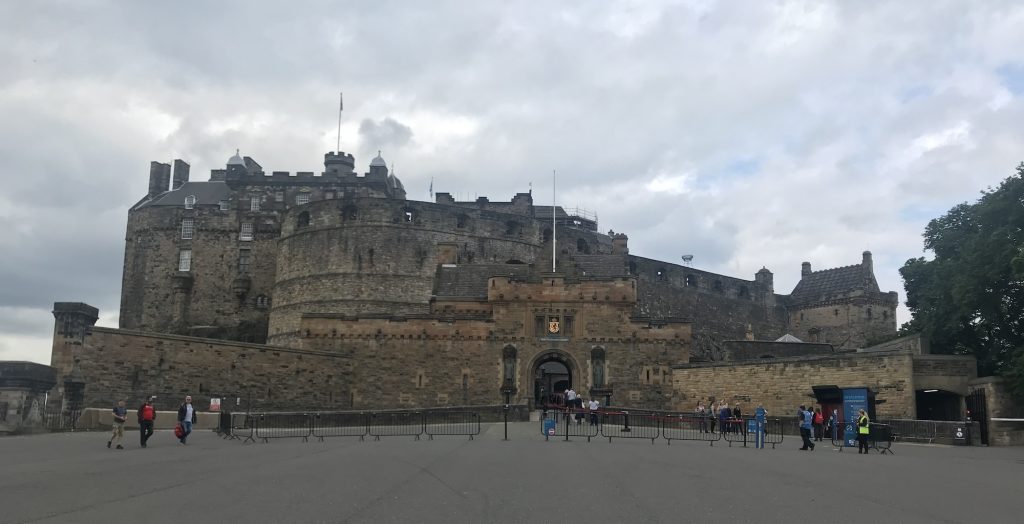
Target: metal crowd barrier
340	424
283	425
396	424
915	430
740	431
623	424
573	423
688	427
451	423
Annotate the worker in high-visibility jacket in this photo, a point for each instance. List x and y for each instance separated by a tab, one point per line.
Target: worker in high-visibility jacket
863	425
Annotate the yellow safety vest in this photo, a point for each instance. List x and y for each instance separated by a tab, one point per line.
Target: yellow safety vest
862	425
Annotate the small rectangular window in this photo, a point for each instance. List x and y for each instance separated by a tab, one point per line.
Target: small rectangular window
567	325
190	201
302	199
244	258
254	203
279	196
185	260
246	234
224	205
187	227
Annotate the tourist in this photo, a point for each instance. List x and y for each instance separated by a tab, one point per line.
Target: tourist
737	417
702	414
120	417
594	405
712	413
819	424
147	415
723	417
806	420
863	428
186	417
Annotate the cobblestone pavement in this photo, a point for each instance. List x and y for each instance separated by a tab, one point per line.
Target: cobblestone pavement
75	478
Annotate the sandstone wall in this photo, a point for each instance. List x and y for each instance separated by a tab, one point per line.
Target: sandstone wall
783	384
945	372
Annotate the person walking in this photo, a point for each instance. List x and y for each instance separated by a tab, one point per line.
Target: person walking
863	428
806	420
186	417
120	417
147	415
593	405
723	418
819	424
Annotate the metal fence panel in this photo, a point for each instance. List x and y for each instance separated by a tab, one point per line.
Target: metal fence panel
396	424
283	425
451	423
340	424
568	424
623	424
688	427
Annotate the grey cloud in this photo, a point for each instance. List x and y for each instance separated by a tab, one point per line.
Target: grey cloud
384	134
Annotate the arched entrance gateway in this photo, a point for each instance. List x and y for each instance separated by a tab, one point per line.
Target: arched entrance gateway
552	373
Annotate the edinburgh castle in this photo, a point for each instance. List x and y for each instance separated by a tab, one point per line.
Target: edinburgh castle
333	290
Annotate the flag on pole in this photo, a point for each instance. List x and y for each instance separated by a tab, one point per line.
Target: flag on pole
431	187
341	102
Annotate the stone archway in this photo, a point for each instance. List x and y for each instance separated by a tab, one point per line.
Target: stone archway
551	373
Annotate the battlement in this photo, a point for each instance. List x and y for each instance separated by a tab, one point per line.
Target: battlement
556	289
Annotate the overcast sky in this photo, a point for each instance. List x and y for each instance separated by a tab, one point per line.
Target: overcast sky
747	134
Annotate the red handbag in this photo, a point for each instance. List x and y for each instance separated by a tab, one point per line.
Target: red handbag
179	431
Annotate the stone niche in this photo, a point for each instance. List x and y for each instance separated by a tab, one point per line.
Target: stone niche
23	387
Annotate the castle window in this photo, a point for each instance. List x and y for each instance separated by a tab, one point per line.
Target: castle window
185	260
244	259
460	221
254	203
718	286
582	246
262	301
869	313
567	325
885	315
302	199
190	201
302	220
246	233
539	326
224	205
836	312
187	227
279	196
691	281
348	213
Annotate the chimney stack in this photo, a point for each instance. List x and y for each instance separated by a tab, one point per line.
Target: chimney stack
805	269
180	173
159	178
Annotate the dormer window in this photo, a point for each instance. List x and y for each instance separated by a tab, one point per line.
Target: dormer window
224	205
190	201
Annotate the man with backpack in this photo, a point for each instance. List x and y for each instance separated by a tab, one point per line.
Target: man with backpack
147	415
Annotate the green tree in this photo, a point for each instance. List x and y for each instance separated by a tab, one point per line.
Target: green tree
969	299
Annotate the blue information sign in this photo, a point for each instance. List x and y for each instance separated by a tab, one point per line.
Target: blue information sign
854	400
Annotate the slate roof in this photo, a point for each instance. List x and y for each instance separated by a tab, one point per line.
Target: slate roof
470	281
602	265
540	212
833	283
206	193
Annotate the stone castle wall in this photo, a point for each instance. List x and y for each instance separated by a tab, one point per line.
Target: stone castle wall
783	384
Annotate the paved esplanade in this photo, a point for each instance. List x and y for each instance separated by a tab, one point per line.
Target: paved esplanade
74	478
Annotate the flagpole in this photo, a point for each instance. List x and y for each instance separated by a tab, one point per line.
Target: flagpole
341	105
554	226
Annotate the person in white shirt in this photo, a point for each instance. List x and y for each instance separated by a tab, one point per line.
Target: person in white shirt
593	405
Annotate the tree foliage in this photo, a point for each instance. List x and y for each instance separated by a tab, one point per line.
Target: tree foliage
969	299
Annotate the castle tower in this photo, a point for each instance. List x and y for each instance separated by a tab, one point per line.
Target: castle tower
72	321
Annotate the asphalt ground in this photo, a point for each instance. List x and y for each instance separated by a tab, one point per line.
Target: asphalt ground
75	478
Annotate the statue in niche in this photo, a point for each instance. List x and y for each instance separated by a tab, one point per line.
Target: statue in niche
598	373
509	356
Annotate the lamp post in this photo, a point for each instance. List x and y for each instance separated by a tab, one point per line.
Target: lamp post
507	390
